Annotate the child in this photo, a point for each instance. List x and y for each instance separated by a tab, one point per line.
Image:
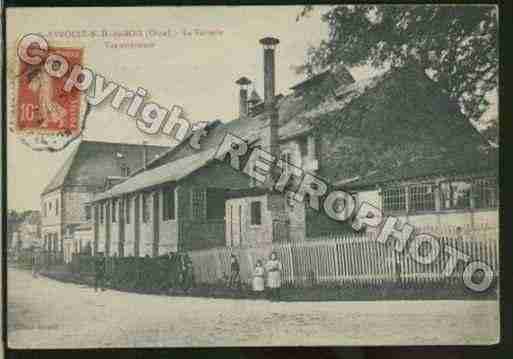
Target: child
274	269
234	272
258	278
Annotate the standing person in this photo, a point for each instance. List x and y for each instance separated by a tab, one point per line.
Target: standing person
258	278
99	272
187	275
274	268
234	272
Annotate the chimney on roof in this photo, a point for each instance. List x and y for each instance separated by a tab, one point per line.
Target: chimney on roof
254	100
269	44
243	83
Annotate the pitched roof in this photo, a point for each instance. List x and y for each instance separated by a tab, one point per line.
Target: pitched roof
59	178
293	110
91	162
448	165
170	172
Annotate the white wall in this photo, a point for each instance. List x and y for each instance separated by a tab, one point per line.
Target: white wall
146	239
129	228
251	235
168	239
114	230
453	218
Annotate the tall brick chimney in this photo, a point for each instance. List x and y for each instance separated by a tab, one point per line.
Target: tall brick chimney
243	83
269	44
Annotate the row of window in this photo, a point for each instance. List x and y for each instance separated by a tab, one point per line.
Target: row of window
120	209
457	194
205	204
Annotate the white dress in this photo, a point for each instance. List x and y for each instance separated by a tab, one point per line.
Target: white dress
258	279
274	269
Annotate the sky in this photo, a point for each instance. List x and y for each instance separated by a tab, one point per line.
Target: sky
196	72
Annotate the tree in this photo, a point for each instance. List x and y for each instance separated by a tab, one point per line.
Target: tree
456	45
13	220
491	132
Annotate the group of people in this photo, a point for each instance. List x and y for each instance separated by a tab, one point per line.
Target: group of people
183	268
269	274
264	276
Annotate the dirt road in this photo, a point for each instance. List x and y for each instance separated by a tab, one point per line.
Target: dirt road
44	313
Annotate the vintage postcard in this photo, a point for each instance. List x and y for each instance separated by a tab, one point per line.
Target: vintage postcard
218	176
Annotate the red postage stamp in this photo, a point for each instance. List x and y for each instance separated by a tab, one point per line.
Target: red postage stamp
42	102
47	117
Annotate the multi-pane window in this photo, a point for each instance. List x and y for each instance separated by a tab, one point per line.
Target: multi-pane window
198	203
114	202
145	208
127	208
485	193
256	213
394	199
455	195
169	204
422	197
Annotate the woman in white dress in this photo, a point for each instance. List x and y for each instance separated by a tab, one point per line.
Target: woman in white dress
258	278
274	268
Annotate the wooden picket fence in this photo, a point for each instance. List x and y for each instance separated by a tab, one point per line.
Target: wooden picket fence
354	260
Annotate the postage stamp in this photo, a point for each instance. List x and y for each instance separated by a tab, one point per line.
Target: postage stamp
47	116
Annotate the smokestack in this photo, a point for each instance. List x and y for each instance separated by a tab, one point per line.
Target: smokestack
244	83
269	44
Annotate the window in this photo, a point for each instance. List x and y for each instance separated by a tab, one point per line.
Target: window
485	193
88	212
198	203
125	169
145	208
455	195
114	210
394	199
169	204
49	206
57	207
256	213
422	197
127	208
